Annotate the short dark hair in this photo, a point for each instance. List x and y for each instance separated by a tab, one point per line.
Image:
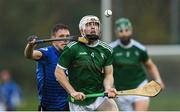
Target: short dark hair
58	27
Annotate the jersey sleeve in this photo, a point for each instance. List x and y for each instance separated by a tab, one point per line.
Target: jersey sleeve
109	59
144	56
66	58
44	52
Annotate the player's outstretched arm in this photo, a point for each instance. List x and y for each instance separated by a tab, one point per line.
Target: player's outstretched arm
109	81
29	51
154	72
62	79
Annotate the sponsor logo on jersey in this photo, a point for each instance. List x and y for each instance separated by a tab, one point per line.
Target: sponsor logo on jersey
118	54
83	53
45	49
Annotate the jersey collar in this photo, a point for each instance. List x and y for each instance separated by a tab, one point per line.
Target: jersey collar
126	46
94	45
56	51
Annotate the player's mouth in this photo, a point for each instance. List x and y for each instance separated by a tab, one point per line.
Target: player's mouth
93	32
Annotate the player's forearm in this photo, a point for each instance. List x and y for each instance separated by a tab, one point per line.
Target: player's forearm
62	79
28	52
153	70
108	80
154	73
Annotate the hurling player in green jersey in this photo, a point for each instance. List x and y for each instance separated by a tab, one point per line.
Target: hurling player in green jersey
89	69
129	60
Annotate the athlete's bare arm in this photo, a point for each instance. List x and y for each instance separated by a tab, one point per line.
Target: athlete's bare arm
29	51
62	79
154	72
109	80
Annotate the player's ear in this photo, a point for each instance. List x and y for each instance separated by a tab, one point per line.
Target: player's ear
53	35
116	33
82	32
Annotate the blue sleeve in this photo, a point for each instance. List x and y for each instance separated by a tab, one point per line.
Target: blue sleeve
16	95
44	52
18	90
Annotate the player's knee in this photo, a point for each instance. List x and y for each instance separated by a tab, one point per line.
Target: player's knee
112	104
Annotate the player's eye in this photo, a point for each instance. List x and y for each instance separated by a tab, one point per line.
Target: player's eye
97	24
67	35
121	31
126	30
88	24
63	35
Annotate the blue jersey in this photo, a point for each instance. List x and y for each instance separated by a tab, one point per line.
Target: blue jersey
11	94
51	94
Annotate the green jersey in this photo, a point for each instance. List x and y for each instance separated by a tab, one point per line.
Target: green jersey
128	64
85	67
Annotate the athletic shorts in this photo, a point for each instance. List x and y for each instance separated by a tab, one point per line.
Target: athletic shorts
126	103
91	107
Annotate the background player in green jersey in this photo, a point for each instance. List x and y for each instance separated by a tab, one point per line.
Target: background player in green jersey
129	60
89	69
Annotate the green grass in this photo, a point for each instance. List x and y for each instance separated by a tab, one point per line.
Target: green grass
30	103
165	101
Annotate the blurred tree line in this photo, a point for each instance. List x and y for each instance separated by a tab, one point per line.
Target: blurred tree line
150	19
21	18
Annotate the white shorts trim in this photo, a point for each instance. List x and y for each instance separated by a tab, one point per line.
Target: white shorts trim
91	107
61	67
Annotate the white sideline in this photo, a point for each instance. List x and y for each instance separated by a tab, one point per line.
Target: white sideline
166	50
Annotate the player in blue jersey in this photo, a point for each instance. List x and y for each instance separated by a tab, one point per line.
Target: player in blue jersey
10	92
52	96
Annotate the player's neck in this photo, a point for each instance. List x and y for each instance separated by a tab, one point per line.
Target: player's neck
59	49
93	43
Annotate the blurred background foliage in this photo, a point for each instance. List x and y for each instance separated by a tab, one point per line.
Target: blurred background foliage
21	18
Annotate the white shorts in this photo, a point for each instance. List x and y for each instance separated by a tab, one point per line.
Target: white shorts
125	103
91	107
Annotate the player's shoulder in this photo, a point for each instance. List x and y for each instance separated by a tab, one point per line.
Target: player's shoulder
114	43
105	46
45	49
71	44
138	45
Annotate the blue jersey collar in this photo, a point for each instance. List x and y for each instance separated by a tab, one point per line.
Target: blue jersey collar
56	50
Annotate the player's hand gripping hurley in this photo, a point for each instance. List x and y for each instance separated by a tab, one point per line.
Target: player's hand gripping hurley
150	89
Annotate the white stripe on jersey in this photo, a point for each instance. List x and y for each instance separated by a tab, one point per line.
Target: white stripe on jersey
132	43
105	45
138	45
61	67
71	44
118	42
114	44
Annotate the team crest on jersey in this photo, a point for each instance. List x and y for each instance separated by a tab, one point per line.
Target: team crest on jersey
136	53
127	54
102	55
92	54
